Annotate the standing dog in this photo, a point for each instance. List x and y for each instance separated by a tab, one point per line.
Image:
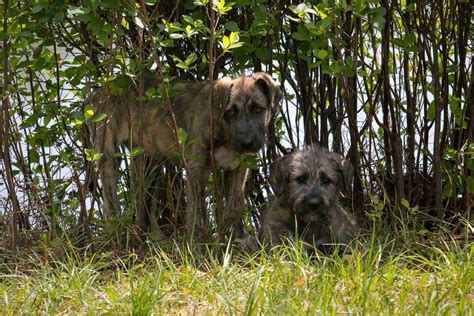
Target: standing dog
308	185
241	111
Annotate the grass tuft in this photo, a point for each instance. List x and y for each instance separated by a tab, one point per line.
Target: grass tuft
373	276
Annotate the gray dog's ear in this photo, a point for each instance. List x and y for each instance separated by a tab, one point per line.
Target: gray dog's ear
344	168
280	173
269	88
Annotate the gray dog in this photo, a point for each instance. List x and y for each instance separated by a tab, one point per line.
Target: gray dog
308	184
241	111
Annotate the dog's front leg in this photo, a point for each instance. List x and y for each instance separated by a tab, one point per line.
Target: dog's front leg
196	215
108	170
235	201
274	233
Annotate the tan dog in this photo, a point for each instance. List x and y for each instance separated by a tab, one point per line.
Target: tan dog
241	111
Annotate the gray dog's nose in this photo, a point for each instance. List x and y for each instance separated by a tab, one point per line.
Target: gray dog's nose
313	203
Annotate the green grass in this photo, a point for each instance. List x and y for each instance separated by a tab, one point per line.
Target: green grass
378	277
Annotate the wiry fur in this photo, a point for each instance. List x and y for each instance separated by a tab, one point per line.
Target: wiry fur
308	184
238	129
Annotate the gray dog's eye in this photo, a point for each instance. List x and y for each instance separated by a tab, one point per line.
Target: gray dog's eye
325	180
301	179
258	110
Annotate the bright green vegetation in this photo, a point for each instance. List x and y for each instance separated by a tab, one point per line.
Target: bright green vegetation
377	278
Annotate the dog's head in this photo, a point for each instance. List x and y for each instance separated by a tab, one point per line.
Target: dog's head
247	107
310	182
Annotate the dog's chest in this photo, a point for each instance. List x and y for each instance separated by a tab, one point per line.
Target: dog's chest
224	157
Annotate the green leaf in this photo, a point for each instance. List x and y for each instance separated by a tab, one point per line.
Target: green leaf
405	203
379	11
34	157
136	152
262	53
139	22
302	34
250	161
37	8
231	26
302	10
234	37
447	190
88	114
77	10
59	17
188	19
470	162
182	136
176	35
378	17
185	64
201	2
225	42
235	45
78	123
320	13
189	31
431	111
120	155
166	43
410	39
99	117
125	24
150	92
322	54
93	155
221	7
454	106
235	163
191	59
360	6
379	22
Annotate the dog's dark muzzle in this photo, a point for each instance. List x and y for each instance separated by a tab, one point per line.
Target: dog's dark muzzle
312	208
250	144
249	138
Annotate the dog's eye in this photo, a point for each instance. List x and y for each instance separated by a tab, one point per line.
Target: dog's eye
325	180
230	113
301	179
258	110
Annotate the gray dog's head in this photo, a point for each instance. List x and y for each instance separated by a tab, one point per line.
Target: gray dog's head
310	181
250	104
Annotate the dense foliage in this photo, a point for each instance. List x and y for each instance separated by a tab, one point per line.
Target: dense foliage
389	84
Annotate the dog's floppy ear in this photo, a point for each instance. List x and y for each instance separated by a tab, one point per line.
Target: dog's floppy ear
280	174
269	88
226	99
222	94
345	170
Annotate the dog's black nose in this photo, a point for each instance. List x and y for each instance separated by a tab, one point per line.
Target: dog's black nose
313	203
248	144
311	207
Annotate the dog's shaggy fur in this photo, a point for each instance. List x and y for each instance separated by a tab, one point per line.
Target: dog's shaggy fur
308	184
241	111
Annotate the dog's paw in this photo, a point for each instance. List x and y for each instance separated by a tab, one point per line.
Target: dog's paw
247	243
